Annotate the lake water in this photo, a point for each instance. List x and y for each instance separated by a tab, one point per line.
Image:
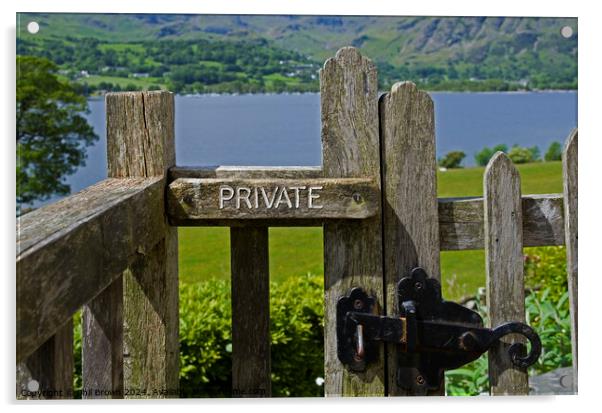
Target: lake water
285	129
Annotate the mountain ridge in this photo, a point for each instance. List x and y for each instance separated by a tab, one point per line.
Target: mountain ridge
515	49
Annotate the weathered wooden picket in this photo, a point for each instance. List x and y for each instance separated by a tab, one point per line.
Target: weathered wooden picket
112	248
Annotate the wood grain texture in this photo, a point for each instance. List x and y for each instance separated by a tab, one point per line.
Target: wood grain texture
352	250
411	233
250	312
140	133
140	142
151	346
570	183
48	372
102	344
71	250
246	172
462	225
504	266
250	199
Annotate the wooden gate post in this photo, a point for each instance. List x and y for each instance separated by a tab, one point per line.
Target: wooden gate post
569	169
140	143
411	218
504	265
352	250
49	369
250	312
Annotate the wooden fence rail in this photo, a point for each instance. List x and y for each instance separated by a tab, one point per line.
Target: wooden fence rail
70	251
112	248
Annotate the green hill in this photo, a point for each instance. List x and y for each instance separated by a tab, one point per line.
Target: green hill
443	52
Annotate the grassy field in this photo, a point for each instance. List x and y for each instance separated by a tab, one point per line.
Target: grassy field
204	252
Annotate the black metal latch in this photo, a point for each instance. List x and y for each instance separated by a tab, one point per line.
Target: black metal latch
433	334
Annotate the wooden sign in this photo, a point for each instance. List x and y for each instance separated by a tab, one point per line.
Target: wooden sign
202	199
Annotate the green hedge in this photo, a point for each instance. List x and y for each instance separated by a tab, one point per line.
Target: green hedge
296	313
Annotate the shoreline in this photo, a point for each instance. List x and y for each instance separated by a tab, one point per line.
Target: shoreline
380	92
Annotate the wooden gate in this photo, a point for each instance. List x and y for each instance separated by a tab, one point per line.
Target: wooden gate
112	248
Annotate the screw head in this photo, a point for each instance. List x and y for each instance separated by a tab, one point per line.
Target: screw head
420	380
418	286
358	304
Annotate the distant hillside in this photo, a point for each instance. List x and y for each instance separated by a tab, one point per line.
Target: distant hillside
438	51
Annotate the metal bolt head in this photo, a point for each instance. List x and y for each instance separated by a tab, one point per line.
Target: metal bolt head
418	286
420	380
358	304
468	341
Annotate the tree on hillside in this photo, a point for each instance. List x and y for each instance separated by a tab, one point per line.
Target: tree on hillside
51	132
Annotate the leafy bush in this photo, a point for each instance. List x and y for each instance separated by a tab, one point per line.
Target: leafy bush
545	268
548	306
297	345
205	340
547	311
519	154
483	157
551	319
452	159
554	152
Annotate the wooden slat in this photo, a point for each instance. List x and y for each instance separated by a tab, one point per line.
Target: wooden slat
246	172
69	251
411	233
461	224
250	312
569	169
504	265
352	250
140	142
102	344
48	372
252	199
